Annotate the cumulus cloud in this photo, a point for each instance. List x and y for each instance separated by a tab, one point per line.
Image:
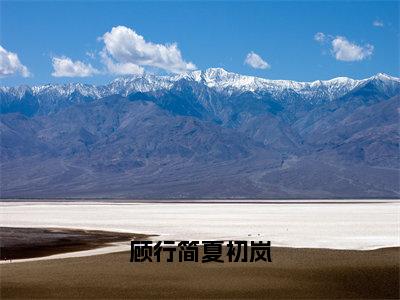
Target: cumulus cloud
255	61
11	65
127	52
378	23
344	50
65	67
119	68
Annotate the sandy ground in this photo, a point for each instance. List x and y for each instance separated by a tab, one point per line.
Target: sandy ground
17	243
293	273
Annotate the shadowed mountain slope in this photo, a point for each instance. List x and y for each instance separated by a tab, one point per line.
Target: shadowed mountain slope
210	134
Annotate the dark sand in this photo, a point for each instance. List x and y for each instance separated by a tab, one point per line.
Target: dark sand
293	273
16	243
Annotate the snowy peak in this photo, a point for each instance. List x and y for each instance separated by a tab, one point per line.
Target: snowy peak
218	74
384	77
139	83
210	77
224	81
213	78
67	89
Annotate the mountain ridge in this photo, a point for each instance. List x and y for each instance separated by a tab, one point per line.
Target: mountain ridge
208	76
201	135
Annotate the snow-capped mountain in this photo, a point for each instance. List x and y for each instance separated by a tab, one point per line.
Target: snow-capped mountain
205	133
213	78
222	80
225	81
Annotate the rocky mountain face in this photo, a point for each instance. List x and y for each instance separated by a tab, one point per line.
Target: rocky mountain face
204	134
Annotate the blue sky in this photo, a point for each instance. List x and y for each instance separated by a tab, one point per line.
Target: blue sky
95	41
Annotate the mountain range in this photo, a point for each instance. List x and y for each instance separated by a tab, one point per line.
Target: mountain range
202	134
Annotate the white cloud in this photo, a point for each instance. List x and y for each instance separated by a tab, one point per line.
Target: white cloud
117	68
319	37
126	51
378	23
10	64
344	50
255	61
65	67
